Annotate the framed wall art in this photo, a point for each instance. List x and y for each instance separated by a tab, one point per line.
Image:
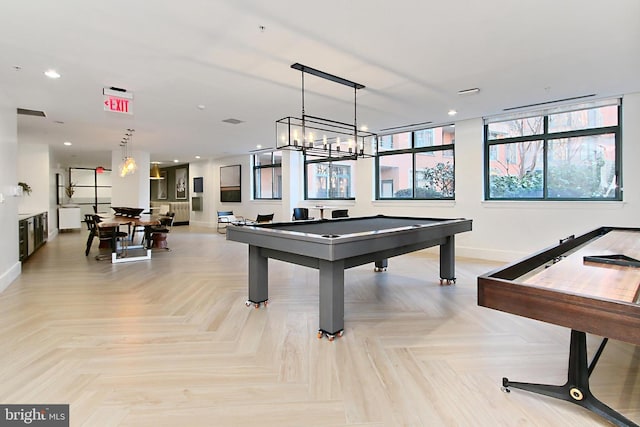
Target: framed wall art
161	189
230	184
181	183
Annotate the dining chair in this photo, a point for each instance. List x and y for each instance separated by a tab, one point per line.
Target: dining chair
158	233
109	238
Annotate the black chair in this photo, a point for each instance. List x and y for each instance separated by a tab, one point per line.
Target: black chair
264	218
156	235
91	226
109	238
300	214
340	213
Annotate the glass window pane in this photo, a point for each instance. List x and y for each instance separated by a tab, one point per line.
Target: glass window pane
582	167
516	170
331	180
83	177
584	119
277	182
397	141
396	176
104	178
434	175
436	136
262	159
515	128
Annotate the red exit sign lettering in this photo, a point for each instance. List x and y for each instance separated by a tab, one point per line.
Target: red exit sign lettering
118	105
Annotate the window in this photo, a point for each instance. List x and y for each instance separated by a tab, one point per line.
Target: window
330	180
267	175
91	189
569	153
416	165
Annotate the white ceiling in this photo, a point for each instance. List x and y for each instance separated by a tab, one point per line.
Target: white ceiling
413	56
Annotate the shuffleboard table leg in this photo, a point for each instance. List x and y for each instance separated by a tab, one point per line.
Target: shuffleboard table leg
576	389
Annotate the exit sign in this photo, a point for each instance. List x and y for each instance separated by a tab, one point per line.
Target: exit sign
118	105
117	100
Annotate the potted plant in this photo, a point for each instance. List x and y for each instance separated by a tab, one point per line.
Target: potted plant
70	189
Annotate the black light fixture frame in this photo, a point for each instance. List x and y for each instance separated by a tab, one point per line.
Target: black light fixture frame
322	147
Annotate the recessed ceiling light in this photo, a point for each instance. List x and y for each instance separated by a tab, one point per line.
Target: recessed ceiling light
67	143
364	128
452	112
201	106
175	160
52	74
197	157
259	146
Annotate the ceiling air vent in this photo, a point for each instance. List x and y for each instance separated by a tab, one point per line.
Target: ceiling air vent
233	121
549	102
27	112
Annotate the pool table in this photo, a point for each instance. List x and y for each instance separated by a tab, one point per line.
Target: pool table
333	245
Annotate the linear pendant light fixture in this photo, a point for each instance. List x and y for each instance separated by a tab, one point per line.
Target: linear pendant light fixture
320	137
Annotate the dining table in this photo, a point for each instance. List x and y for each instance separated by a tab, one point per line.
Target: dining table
134	252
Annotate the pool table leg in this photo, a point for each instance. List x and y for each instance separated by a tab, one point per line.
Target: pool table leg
258	277
448	261
331	298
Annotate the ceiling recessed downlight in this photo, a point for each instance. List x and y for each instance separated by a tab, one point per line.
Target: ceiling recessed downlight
176	161
197	157
67	143
52	74
452	112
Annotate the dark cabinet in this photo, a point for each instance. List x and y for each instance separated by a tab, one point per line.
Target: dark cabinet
33	231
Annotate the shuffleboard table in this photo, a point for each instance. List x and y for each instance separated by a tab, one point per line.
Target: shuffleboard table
590	284
333	245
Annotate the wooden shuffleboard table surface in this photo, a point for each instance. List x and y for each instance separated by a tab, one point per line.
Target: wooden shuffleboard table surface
599	280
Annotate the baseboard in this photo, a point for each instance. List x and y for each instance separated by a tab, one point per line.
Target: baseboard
10	275
489	254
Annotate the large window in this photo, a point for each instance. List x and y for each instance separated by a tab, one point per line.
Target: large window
569	153
267	175
330	180
416	165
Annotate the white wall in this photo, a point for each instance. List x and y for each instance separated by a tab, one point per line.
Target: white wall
10	267
33	168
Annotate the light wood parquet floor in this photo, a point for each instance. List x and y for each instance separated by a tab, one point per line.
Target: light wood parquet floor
169	342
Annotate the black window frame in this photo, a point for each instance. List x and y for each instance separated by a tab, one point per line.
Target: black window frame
272	166
545	137
415	151
330	162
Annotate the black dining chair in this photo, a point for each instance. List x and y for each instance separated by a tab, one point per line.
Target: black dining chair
109	238
340	213
300	214
91	226
156	235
